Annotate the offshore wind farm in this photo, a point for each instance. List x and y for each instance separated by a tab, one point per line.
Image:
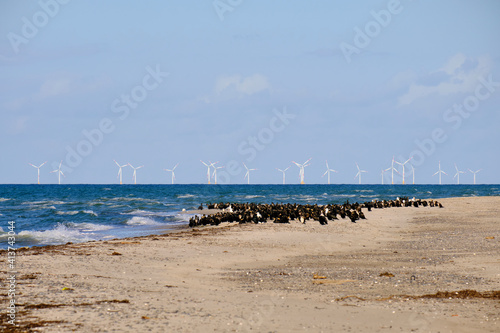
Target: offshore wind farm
212	167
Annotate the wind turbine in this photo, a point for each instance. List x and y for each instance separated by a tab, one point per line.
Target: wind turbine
474	172
413	173
301	167
403	165
120	170
283	171
384	170
457	174
134	176
172	171
38	167
392	168
215	171
59	172
247	175
208	169
440	172
328	172
359	173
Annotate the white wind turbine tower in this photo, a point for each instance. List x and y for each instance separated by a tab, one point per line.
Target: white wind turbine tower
328	172
215	171
392	168
208	169
474	172
38	167
172	171
403	165
413	173
301	167
134	176
247	175
120	170
384	170
359	172
440	172
283	171
59	172
457	174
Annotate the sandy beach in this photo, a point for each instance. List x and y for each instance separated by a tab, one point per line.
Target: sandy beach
400	270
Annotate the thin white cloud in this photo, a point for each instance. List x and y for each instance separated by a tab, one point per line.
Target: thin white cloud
54	87
247	85
458	75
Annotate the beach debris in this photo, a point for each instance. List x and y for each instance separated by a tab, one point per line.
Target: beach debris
489	237
116	254
67	289
387	274
329	281
316	277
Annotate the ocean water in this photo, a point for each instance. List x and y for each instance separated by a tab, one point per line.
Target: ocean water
57	214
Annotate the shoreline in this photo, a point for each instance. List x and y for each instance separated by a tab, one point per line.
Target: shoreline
243	277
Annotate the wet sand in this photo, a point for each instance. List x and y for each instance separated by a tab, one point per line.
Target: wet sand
378	275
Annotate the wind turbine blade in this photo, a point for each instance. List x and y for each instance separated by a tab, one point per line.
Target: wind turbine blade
286	169
325	173
175	166
41	165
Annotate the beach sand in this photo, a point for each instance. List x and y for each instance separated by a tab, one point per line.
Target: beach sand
369	276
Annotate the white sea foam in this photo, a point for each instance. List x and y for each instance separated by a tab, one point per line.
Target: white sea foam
91	212
59	235
251	196
4	199
139	212
141	220
184	196
73	212
88	227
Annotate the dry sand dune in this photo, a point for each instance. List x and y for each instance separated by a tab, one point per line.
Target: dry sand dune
378	275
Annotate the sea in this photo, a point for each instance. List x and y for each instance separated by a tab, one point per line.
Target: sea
57	214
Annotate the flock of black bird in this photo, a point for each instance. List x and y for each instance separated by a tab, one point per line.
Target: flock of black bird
284	213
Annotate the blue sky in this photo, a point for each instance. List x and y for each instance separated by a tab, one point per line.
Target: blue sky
255	82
